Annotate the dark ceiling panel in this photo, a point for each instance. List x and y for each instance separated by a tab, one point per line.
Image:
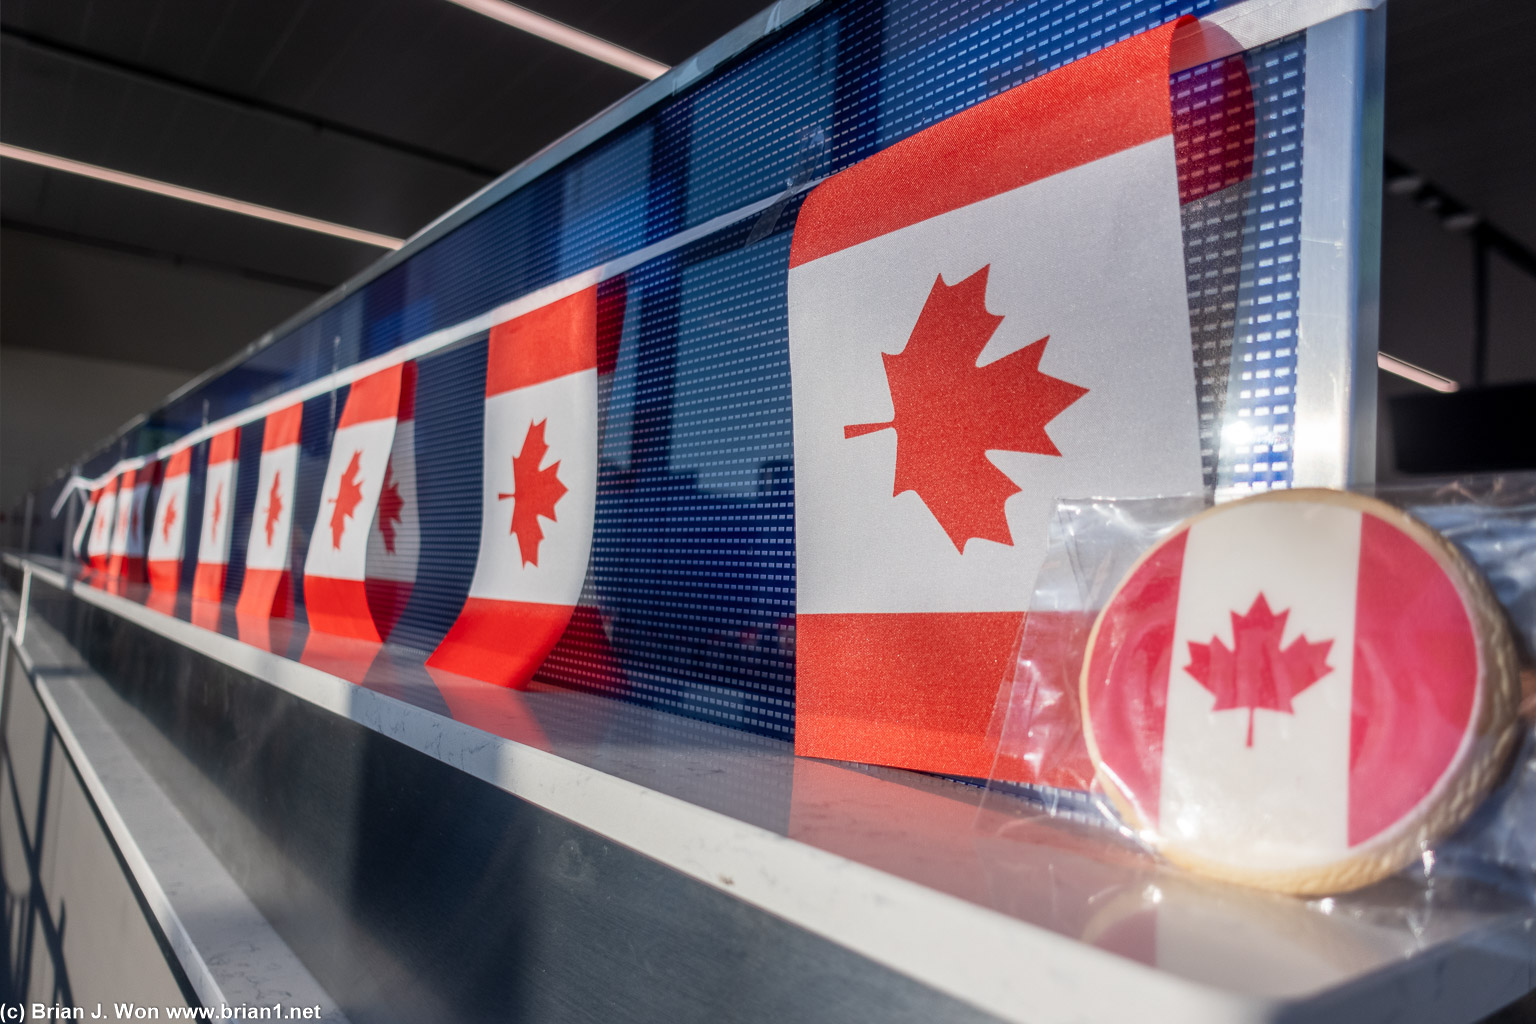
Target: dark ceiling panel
1460	82
86	209
424	71
366	113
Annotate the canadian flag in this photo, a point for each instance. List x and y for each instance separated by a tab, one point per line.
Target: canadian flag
218	511
335	594
1253	685
167	534
83	527
127	554
100	546
268	588
540	491
985	317
394	543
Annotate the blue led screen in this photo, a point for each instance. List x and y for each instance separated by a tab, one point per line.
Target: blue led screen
689	600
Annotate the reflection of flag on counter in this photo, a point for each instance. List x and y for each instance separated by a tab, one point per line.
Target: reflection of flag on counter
540	484
100	546
218	510
127	554
394	544
335	596
268	587
986	316
83	527
170	526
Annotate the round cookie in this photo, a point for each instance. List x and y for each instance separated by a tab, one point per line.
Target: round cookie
1299	691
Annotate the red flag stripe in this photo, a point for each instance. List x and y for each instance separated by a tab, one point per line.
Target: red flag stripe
224	447
1041	130
870	684
375	397
1415	678
283	428
208	581
1127	680
550	342
265	593
339	607
501	642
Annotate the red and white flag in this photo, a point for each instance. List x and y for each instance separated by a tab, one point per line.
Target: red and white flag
218	511
540	492
1256	682
166	537
83	527
335	570
127	555
394	543
100	547
268	587
985	317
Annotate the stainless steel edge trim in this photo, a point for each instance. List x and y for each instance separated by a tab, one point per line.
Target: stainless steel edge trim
1339	291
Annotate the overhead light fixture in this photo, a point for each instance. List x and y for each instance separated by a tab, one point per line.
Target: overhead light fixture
564	35
1417	374
192	195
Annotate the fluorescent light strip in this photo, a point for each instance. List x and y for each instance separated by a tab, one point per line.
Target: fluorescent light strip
564	35
1417	374
192	195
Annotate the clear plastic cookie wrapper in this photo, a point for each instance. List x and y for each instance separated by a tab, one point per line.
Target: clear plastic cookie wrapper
1308	691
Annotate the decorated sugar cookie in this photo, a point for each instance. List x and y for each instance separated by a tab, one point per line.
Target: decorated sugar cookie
1299	691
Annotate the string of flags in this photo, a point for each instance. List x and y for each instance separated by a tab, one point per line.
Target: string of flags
360	557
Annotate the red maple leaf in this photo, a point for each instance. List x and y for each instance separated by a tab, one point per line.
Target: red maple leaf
390	506
170	520
535	492
349	491
1256	673
218	506
950	412
274	506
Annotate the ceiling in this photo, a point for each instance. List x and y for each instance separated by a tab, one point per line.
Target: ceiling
381	115
1461	102
377	115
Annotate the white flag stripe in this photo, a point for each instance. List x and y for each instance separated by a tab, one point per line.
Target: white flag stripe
269	549
82	528
101	530
369	442
399	565
1091	257
165	543
218	510
128	535
1219	795
568	407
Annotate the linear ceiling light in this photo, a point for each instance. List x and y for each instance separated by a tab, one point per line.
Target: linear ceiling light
1417	374
564	35
192	195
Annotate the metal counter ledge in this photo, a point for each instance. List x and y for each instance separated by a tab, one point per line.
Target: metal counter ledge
572	857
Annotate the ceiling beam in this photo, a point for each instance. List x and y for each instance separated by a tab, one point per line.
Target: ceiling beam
163	255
